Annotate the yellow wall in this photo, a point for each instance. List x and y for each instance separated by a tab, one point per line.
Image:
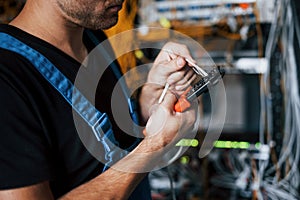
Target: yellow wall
126	22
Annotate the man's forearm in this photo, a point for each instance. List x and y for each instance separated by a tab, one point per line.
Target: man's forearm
119	181
112	184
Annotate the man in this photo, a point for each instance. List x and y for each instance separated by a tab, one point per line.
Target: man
41	154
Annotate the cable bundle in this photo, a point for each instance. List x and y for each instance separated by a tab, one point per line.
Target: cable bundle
281	179
276	176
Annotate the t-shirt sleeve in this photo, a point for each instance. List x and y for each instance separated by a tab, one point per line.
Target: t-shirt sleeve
24	150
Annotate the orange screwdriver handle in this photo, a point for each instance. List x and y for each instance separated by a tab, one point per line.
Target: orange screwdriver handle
182	103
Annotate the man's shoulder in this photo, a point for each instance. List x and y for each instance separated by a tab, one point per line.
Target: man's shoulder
8	34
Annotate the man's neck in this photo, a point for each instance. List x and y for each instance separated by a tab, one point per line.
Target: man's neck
46	24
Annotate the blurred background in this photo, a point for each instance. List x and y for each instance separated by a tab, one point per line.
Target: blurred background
256	42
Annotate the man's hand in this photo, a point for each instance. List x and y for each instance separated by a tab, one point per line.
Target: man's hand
166	125
164	129
170	67
177	74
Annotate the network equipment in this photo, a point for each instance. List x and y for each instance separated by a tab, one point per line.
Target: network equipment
258	153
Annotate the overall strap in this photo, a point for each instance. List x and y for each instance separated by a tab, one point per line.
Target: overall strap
98	121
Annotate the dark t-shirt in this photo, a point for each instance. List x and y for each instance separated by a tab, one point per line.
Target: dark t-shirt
38	139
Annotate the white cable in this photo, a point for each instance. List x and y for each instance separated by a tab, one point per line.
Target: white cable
173	191
291	137
291	141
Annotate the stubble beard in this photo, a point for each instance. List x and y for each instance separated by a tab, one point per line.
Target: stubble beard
98	22
86	17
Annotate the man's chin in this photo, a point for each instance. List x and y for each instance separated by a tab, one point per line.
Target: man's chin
112	23
104	25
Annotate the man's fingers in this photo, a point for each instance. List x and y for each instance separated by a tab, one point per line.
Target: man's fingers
181	77
175	64
180	87
178	50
